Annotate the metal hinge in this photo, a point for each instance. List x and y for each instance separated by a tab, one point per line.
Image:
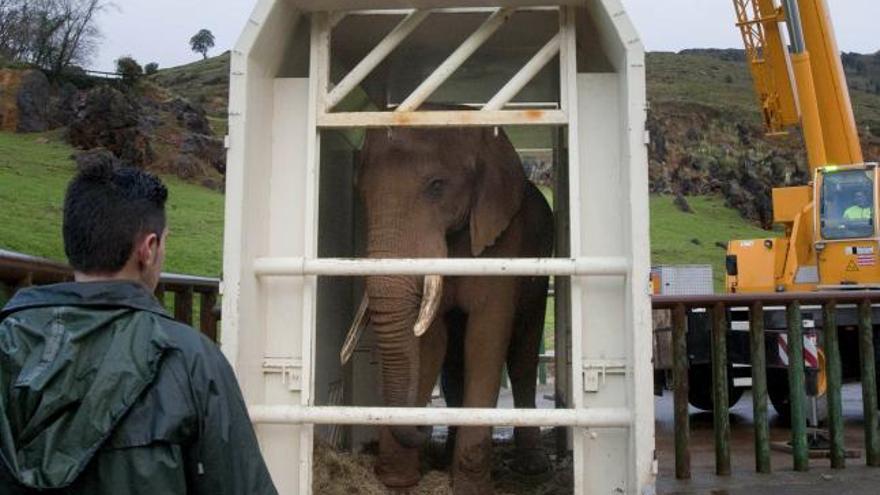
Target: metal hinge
290	370
595	371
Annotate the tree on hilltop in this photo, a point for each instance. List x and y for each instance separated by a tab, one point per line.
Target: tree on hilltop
129	69
202	42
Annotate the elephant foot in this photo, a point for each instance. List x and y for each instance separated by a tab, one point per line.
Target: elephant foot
397	467
472	485
395	478
471	473
530	462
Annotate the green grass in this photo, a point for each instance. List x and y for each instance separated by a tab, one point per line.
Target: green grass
34	171
693	238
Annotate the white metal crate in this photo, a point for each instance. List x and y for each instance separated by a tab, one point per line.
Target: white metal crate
290	214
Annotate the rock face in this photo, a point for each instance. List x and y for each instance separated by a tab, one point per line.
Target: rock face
191	117
695	150
107	118
24	101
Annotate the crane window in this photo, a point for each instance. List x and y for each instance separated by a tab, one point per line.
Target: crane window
847	206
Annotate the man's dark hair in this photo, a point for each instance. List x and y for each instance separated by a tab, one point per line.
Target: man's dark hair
106	211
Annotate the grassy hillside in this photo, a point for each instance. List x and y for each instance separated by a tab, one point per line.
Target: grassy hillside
697	238
34	170
205	82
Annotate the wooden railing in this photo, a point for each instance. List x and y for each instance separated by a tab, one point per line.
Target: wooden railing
18	271
718	307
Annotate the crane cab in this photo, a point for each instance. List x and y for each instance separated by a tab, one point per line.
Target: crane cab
846	237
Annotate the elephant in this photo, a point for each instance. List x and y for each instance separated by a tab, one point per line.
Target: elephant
456	193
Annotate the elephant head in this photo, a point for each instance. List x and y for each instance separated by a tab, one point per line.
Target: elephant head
421	187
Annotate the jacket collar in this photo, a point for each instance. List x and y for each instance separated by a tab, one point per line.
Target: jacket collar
115	294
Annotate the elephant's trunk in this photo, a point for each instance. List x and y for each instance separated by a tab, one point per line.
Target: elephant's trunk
394	303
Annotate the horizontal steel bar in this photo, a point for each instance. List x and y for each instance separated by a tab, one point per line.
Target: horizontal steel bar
669	302
441	266
298	415
451	10
442	118
364	5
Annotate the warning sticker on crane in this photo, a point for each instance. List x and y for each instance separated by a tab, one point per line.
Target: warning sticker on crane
811	350
852	266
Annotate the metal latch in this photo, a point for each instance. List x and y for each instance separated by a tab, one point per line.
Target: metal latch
595	371
290	370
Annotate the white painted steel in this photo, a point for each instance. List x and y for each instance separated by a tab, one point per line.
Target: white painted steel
299	267
442	118
277	112
376	57
451	10
458	57
525	76
330	5
587	418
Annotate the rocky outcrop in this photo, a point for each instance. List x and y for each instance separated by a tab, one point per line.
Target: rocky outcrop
24	101
108	118
696	150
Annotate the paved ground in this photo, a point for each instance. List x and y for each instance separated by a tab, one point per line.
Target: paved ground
855	479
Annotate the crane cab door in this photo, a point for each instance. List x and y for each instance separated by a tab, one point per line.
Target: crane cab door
847	238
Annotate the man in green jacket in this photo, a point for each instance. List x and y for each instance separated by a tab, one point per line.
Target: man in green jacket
101	392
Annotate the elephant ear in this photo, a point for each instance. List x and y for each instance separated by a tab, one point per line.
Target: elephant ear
499	192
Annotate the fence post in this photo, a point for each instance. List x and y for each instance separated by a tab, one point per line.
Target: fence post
207	320
796	387
680	388
759	388
869	384
719	389
183	305
160	294
832	367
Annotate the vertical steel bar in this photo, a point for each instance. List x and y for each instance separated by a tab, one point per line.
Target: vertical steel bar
759	389
869	384
832	366
796	387
719	388
680	390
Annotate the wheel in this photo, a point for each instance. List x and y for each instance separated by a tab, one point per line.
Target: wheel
700	388
778	392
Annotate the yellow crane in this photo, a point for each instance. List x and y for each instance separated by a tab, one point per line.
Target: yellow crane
831	233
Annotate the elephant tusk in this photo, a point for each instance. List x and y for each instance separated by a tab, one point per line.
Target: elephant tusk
431	295
355	332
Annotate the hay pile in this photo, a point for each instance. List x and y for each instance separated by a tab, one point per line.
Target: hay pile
338	473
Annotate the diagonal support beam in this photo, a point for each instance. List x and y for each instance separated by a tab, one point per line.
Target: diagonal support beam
376	57
456	60
526	74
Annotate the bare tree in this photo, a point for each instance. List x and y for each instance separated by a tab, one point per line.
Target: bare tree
51	34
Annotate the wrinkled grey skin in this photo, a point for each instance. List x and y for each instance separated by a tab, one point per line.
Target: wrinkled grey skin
434	193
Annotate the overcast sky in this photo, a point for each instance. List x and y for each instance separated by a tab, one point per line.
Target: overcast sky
159	30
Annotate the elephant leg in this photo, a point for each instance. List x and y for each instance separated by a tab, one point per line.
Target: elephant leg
453	373
399	466
522	367
486	342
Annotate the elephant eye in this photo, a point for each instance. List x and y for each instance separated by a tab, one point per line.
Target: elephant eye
436	187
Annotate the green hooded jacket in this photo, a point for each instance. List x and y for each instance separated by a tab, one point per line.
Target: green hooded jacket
101	392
